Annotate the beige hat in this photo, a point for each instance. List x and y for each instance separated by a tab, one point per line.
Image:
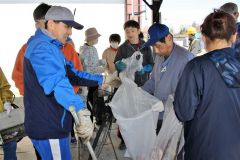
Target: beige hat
91	34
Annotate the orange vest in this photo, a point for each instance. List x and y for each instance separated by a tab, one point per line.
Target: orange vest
17	74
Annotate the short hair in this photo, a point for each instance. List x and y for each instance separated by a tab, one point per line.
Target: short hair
40	11
131	23
230	8
219	25
115	38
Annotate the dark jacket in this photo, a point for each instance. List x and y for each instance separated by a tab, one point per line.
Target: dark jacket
126	50
237	43
207	101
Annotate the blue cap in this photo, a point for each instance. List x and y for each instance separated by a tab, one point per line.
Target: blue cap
156	32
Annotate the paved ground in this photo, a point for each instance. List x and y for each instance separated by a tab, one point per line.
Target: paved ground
25	150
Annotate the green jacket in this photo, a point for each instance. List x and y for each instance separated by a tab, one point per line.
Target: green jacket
5	93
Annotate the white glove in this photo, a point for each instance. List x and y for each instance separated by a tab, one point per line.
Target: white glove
7	107
85	129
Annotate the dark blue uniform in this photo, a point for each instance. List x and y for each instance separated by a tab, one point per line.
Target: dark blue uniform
207	100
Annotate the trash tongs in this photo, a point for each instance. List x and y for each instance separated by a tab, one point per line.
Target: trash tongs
77	122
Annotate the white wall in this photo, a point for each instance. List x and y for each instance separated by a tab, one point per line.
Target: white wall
17	26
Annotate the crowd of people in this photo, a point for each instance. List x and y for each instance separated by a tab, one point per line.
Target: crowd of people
56	81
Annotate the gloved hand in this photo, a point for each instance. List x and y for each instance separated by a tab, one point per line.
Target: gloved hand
148	68
141	72
120	65
7	107
85	129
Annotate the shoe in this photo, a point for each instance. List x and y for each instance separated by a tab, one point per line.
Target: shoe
122	146
73	140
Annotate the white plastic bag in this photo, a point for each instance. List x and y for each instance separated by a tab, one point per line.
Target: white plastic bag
133	63
170	139
136	112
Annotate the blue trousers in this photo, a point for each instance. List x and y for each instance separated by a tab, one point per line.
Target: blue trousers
9	150
53	149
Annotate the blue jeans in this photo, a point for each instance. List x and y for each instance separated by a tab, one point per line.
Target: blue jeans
9	150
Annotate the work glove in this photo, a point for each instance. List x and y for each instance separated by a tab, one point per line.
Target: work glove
120	65
147	68
7	107
85	129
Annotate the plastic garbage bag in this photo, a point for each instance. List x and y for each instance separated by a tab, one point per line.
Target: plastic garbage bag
133	63
136	112
170	139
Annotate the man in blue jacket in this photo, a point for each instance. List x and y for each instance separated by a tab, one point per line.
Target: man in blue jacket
49	96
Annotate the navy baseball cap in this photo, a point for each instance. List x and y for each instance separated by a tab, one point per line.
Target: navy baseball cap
156	32
64	15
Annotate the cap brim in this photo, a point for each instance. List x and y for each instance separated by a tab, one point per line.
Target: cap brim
73	24
149	43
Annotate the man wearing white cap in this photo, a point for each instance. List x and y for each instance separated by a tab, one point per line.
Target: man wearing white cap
48	94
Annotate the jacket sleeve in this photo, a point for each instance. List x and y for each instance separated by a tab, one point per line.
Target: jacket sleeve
17	74
188	92
49	66
119	54
82	78
71	55
5	92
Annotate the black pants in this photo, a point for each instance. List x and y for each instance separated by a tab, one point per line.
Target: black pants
72	131
98	105
120	135
159	125
91	91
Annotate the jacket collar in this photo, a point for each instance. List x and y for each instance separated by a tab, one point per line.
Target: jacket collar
46	36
